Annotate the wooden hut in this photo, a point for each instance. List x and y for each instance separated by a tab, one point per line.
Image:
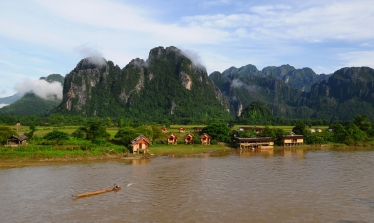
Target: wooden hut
188	139
254	143
17	140
140	143
292	140
172	139
164	129
205	139
181	130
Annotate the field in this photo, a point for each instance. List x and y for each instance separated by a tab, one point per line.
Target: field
42	130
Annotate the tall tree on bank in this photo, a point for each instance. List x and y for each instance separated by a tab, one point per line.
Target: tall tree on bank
256	113
218	131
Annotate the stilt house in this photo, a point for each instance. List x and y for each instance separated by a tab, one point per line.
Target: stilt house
188	139
205	139
255	143
292	140
172	139
140	143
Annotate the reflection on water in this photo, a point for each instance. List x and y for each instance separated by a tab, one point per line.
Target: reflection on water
291	185
137	161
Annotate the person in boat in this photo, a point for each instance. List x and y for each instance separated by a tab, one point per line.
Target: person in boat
115	187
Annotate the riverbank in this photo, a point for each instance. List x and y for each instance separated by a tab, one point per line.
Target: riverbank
17	157
14	158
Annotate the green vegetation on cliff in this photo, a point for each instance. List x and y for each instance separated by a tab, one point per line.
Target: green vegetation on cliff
166	87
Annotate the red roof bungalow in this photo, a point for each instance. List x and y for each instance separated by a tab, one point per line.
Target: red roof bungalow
172	139
164	129
205	139
140	143
188	139
181	130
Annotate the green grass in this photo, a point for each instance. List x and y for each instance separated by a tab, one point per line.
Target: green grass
162	149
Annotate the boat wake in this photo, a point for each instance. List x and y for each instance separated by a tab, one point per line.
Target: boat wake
130	184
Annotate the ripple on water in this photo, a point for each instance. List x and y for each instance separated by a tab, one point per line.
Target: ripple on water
282	186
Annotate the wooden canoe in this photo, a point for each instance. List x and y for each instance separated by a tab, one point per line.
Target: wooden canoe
96	192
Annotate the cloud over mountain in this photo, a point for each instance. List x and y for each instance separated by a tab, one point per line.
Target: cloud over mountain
41	88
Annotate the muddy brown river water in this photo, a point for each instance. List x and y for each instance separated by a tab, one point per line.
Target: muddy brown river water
284	186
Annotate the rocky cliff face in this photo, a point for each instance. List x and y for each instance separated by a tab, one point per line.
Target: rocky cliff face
301	79
348	92
166	83
242	90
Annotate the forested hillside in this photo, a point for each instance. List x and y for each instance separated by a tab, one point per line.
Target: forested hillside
165	87
31	104
347	93
301	79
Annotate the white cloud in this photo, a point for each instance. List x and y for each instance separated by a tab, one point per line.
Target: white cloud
338	20
91	53
358	59
216	2
40	88
237	83
3	105
40	37
193	56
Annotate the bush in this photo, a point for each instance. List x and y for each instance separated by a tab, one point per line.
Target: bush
57	135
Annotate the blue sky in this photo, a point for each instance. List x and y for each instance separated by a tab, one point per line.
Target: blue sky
40	37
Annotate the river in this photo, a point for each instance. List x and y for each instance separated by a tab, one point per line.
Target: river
297	185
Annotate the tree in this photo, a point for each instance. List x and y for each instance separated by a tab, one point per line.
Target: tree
79	133
362	123
56	136
275	133
5	133
218	131
256	113
126	134
95	130
300	128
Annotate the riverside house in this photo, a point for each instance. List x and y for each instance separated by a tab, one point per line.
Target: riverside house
292	140
140	143
188	139
254	143
16	140
172	139
164	129
205	139
181	130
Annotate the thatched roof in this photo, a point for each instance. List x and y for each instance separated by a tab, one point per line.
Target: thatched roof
139	139
205	135
20	137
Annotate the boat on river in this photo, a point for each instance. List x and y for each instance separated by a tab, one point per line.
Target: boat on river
97	192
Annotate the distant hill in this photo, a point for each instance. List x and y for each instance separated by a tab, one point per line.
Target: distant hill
301	79
346	93
10	99
167	86
242	90
31	104
54	78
